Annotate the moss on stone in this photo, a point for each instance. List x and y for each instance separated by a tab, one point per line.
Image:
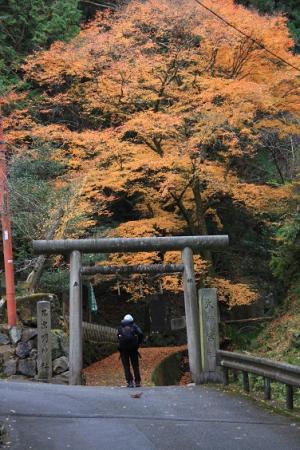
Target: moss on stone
168	372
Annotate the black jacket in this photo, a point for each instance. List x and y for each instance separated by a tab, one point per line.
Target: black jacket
136	329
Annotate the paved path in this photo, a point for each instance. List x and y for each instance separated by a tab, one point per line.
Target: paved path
55	417
109	371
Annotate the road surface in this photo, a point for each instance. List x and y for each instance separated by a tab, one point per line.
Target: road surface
54	417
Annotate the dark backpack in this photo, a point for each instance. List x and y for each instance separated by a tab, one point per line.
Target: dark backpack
128	338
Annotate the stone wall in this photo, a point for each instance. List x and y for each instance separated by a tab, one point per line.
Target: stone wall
18	354
168	372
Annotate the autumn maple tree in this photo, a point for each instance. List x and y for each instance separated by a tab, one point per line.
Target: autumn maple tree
165	119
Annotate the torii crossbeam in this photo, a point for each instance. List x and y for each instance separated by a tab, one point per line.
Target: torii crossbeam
185	244
139	268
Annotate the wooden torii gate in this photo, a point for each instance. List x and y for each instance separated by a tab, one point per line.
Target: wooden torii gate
186	244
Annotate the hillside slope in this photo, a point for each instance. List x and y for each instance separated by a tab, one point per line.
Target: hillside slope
281	338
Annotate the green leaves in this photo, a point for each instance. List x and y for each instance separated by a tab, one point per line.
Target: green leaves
286	258
32	197
28	25
44	169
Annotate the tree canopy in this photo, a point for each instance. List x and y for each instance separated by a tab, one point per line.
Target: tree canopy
168	122
288	7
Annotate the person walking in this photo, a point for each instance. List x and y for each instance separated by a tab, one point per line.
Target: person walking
130	337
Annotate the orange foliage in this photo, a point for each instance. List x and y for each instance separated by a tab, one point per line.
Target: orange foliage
154	109
233	294
109	371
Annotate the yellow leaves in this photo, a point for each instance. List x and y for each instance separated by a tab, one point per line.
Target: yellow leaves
261	198
70	147
163	224
172	257
256	197
153	128
284	128
63	60
144	102
153	123
232	48
143	258
110	49
233	294
142	285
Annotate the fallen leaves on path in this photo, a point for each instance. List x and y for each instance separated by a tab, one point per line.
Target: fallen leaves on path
138	395
109	371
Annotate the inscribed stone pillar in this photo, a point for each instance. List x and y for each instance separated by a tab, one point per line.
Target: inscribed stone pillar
209	332
44	360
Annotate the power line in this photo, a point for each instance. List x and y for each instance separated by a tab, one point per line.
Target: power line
247	35
99	5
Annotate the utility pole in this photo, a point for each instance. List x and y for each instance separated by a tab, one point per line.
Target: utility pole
6	235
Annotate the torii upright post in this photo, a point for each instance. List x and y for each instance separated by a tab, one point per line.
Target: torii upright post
191	314
75	357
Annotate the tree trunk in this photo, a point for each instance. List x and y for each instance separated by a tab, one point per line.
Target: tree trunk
34	276
187	216
201	224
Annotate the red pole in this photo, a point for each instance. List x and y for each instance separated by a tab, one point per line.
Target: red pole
6	235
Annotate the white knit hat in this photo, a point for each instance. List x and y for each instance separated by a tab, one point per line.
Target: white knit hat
128	318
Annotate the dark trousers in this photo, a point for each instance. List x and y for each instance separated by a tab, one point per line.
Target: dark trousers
132	357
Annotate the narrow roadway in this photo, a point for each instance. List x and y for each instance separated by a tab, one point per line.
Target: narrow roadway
55	417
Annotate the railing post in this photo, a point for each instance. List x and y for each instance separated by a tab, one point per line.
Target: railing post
225	376
267	389
191	314
246	384
271	371
289	397
75	358
235	376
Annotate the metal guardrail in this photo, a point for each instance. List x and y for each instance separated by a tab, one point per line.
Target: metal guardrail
287	374
99	333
